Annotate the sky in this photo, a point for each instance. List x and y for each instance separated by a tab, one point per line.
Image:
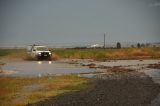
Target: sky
24	22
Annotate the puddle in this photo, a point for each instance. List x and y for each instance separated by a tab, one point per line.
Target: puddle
154	74
127	62
42	68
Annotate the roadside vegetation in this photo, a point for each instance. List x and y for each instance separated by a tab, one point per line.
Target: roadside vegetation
23	91
105	54
96	54
13	53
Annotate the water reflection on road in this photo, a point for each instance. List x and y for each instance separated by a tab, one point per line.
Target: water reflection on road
40	68
154	74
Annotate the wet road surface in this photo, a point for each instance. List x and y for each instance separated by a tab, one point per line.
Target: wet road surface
41	68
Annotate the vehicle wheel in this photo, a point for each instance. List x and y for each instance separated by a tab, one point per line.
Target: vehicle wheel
49	58
37	58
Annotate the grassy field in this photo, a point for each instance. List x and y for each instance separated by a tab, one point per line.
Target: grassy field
104	54
97	54
13	53
21	91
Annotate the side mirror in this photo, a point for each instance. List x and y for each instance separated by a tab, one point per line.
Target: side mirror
34	50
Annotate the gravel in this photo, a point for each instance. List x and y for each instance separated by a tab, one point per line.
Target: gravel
117	89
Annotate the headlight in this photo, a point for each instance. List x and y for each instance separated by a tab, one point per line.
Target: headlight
50	53
39	53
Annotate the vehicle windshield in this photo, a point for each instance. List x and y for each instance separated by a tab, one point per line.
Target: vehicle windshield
42	48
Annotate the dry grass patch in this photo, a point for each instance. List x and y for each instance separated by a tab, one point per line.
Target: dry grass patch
139	52
97	54
21	91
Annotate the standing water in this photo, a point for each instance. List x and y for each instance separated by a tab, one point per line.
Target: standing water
41	68
154	74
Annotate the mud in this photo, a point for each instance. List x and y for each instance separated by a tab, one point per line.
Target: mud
120	70
155	66
122	83
113	83
120	89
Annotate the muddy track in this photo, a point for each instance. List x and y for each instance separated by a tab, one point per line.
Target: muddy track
120	89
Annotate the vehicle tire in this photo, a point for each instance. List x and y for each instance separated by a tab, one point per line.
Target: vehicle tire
37	58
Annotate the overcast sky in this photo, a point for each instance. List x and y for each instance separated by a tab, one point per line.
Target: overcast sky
69	21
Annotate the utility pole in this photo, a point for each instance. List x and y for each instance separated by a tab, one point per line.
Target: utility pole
104	40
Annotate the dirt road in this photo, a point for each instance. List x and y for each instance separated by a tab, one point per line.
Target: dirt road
120	89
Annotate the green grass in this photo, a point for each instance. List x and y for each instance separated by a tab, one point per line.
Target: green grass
13	53
4	53
13	89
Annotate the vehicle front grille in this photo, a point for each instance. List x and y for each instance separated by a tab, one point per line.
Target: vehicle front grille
45	54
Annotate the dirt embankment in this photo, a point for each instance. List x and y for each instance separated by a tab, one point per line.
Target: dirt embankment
120	89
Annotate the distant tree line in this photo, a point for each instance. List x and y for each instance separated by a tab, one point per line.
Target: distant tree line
142	45
119	46
139	45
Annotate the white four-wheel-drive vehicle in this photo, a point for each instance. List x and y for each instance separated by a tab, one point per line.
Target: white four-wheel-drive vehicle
39	52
